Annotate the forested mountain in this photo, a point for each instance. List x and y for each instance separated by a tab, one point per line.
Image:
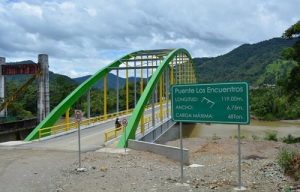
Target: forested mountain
259	63
25	106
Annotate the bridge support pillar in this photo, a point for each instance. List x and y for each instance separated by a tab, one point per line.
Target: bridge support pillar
2	62
134	83
88	110
67	120
167	83
105	97
160	98
153	109
43	88
127	89
142	89
117	87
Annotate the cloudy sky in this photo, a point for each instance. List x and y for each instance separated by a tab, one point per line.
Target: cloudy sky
81	37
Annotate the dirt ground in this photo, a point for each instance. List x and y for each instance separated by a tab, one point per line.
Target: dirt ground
41	170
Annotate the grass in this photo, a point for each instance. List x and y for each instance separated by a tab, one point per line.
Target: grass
255	137
291	139
241	136
289	160
287	189
271	136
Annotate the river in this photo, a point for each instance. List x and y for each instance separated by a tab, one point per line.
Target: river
257	129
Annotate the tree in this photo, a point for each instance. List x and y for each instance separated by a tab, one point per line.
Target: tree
292	84
293	31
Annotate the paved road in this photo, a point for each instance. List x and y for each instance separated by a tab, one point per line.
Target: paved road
92	138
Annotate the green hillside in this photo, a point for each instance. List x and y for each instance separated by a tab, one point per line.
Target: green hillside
248	62
275	71
25	106
60	86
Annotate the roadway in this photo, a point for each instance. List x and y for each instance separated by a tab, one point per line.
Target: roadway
92	138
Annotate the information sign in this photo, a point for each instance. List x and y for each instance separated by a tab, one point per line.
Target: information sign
78	115
124	122
211	103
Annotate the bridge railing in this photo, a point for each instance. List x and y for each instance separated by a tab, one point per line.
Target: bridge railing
47	131
65	127
113	133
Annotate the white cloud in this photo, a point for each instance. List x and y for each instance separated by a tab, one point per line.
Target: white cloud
67	7
26	9
92	12
74	74
96	32
2	10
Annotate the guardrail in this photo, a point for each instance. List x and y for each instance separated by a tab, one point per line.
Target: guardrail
64	127
113	133
68	126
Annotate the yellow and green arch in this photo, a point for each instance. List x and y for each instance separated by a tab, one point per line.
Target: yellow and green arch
133	122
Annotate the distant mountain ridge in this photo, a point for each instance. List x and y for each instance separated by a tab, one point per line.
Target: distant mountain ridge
247	62
21	62
52	76
111	81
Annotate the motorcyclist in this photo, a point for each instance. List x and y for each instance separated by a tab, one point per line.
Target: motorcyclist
117	123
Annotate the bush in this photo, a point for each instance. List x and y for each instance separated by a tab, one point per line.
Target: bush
289	160
242	136
291	139
271	136
269	117
287	189
215	137
255	137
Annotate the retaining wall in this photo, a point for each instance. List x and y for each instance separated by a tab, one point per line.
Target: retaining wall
170	152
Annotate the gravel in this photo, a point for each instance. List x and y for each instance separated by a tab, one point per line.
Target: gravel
144	171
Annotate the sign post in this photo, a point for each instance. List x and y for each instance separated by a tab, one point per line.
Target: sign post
78	116
124	123
225	103
181	153
240	187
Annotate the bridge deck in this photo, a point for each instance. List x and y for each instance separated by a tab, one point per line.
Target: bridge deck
92	138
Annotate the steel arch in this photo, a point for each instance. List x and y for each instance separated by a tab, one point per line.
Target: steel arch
62	107
140	106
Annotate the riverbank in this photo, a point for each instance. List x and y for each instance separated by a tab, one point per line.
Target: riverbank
37	170
256	129
291	121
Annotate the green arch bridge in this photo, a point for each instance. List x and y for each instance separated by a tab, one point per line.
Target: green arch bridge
164	67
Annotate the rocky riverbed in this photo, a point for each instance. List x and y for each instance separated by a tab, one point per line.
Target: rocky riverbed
38	170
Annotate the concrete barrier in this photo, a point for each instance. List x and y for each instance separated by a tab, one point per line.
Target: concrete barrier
165	150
